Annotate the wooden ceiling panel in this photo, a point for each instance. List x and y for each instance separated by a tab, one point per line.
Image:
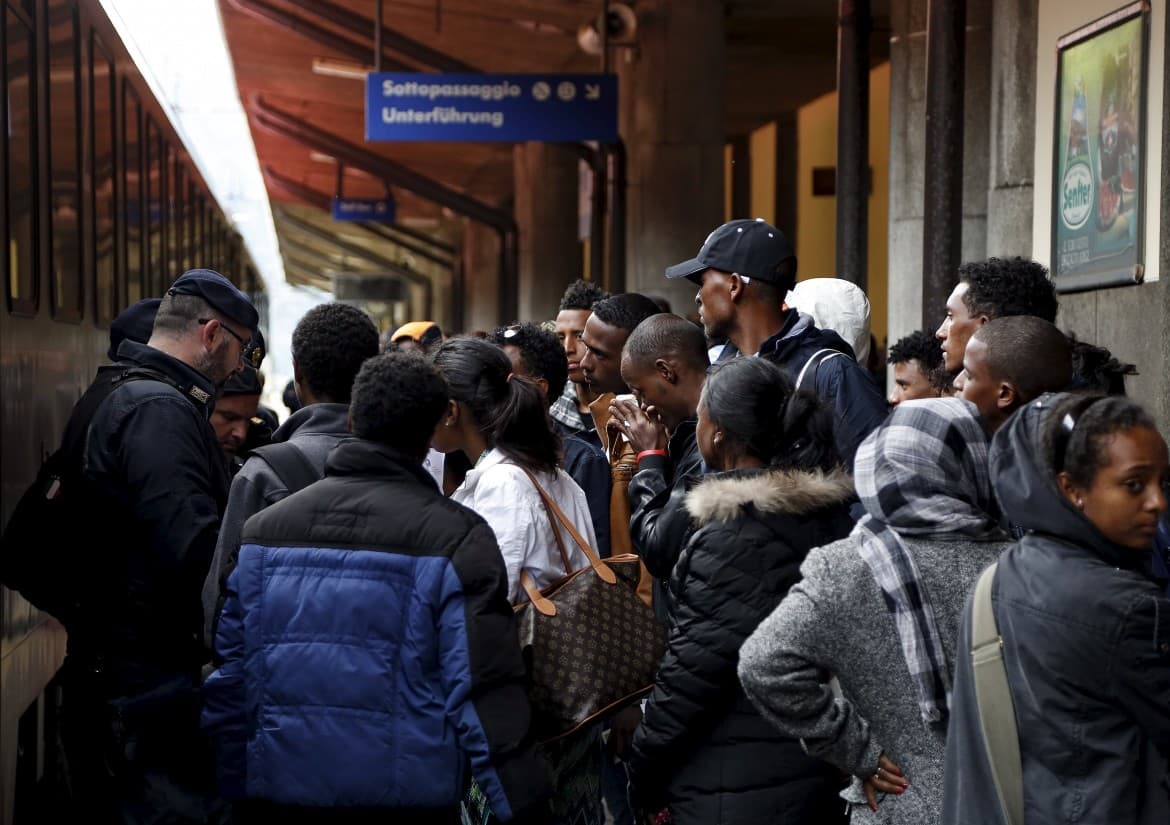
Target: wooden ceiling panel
780	55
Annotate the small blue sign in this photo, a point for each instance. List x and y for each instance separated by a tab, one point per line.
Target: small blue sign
511	107
381	210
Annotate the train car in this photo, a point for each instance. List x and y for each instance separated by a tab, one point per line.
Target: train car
102	205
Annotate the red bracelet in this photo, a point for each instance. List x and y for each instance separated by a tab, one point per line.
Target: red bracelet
645	453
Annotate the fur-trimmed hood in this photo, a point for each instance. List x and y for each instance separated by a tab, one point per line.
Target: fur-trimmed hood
723	496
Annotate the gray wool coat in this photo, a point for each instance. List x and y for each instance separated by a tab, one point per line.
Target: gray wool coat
835	622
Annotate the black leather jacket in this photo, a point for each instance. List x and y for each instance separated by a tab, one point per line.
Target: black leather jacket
1086	635
659	522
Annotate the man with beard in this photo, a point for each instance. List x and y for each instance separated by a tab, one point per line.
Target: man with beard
151	481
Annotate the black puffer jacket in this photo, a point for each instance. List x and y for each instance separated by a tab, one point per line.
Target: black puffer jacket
702	748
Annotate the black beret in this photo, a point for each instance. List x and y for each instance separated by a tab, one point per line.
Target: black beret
220	293
244	382
135	322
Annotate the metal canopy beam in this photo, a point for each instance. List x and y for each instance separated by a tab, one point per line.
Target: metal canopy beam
364	26
320	200
298	25
350	154
381	262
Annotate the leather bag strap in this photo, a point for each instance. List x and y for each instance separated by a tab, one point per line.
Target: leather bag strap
599	567
993	695
539	602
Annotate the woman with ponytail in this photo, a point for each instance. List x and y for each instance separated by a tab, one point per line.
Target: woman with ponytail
500	422
774	490
880	612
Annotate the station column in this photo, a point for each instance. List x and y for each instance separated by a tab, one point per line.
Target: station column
671	90
546	211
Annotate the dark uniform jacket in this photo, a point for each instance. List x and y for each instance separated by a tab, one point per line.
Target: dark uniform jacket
370	657
157	471
702	747
1086	646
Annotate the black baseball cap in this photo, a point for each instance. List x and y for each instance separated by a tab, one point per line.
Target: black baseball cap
753	248
244	382
220	293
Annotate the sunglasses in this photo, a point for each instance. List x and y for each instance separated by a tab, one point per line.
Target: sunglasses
251	353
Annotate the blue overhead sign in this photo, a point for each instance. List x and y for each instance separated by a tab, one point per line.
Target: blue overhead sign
511	107
364	209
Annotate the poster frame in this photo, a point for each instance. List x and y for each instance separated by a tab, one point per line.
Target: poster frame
1126	273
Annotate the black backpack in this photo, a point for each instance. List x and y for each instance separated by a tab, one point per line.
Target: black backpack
50	536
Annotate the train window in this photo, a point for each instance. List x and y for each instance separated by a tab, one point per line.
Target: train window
199	207
20	205
181	228
170	214
105	204
153	211
192	225
64	162
135	217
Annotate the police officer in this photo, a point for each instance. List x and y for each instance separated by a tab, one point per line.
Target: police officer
155	486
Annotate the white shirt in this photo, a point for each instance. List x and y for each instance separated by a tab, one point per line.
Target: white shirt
504	496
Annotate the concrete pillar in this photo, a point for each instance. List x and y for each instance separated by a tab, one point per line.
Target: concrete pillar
977	140
1013	127
481	266
671	88
546	212
908	146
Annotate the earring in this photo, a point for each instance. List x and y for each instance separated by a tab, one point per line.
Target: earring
449	423
1080	503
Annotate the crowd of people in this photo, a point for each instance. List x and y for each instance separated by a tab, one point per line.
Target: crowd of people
313	621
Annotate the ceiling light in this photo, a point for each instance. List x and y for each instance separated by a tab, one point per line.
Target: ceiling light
340	68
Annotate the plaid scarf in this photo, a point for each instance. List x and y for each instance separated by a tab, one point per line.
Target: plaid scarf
923	473
564	409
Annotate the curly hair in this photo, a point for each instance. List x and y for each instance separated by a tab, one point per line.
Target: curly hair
625	311
582	295
999	287
1096	369
398	399
920	346
541	352
329	346
1077	431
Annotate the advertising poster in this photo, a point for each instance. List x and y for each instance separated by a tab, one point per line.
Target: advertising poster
1097	202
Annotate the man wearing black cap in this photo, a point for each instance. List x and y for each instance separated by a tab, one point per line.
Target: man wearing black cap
744	271
152	485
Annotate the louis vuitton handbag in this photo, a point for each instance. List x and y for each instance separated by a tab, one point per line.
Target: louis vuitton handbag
590	639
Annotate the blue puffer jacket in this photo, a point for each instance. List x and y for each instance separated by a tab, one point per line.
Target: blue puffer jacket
369	651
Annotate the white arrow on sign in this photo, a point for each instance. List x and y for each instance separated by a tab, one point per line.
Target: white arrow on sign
592	91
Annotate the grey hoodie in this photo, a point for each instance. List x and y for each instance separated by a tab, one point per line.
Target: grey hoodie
316	430
1086	635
